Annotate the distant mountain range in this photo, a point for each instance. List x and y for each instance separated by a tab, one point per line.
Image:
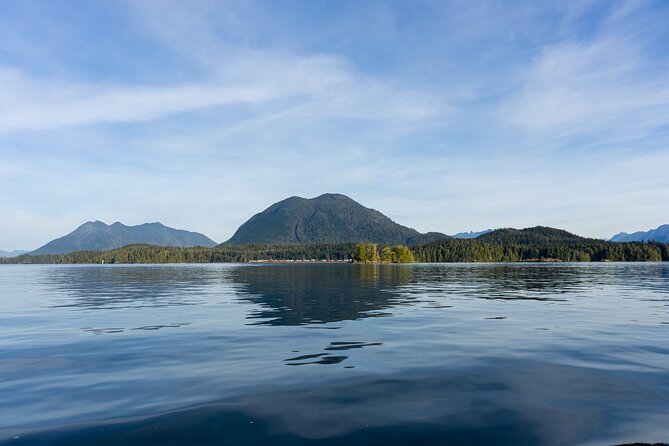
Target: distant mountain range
471	234
326	219
96	235
537	244
325	234
661	234
14	253
329	218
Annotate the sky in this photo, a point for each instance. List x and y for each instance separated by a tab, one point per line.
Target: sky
446	116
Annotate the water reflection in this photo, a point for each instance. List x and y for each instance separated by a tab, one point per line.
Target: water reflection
109	287
110	330
503	281
320	294
512	403
317	295
327	357
473	354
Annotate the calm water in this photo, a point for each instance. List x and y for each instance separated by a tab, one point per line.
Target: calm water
556	354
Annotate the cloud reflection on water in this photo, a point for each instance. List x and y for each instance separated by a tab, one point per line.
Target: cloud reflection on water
514	403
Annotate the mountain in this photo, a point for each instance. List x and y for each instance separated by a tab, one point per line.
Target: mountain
661	234
14	253
471	234
96	236
428	237
536	235
329	218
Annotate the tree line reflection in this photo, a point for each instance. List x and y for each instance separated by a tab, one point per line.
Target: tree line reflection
299	294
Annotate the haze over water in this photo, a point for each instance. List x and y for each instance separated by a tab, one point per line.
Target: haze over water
522	354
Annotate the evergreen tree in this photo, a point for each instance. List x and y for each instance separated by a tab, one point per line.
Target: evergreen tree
402	254
387	254
372	252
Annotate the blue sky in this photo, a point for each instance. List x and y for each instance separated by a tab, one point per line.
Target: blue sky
447	115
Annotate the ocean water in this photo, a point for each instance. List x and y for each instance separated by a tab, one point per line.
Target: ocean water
326	354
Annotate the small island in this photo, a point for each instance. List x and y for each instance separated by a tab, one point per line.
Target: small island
370	253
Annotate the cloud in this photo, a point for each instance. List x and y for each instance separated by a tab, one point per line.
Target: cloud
327	82
31	104
609	86
436	115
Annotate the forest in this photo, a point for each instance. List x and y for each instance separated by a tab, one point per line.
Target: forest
475	250
449	250
228	254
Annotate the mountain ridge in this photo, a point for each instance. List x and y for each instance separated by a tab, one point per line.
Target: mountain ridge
13	253
535	234
98	236
659	234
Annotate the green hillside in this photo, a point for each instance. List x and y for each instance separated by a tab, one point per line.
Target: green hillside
329	218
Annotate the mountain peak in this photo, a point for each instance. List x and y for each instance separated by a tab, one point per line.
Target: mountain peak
93	224
327	218
155	224
332	196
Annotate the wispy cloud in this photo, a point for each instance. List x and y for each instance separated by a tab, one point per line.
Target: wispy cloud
31	104
447	116
326	82
586	88
610	85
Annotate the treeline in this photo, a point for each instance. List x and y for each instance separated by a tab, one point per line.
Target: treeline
230	254
370	253
450	250
476	250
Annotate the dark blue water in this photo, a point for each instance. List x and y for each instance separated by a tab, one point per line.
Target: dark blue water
541	354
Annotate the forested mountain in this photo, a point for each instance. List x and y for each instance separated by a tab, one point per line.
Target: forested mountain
661	234
328	227
329	218
422	239
535	235
98	236
539	243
